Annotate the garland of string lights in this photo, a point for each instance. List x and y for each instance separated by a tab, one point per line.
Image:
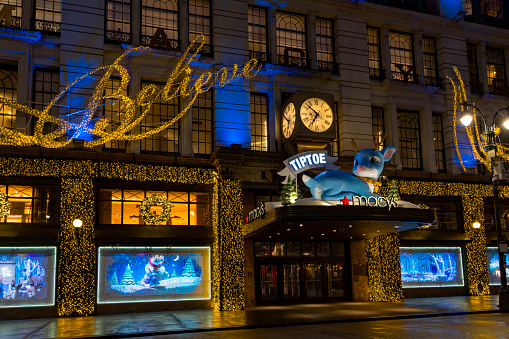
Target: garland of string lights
152	218
77	252
5	205
71	130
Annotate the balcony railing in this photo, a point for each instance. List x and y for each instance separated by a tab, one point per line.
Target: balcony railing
377	74
260	56
291	61
476	88
47	27
405	77
169	44
117	37
499	90
206	50
15	22
433	81
328	66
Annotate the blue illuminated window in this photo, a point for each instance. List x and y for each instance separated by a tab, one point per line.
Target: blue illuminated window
494	265
150	274
431	267
27	276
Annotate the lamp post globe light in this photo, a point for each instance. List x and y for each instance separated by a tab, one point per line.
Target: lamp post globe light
491	152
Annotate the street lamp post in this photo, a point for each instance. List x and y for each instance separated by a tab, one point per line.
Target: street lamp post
491	152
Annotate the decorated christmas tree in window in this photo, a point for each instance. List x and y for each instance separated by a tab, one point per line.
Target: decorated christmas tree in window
128	279
290	194
189	269
114	279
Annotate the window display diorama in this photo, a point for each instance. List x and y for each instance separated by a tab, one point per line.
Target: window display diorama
431	266
27	276
139	274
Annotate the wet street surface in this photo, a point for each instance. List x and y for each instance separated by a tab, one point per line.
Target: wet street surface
464	326
413	318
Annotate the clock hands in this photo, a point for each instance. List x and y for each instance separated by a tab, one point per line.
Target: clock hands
316	114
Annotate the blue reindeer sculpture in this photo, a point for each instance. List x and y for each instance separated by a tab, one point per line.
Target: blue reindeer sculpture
335	185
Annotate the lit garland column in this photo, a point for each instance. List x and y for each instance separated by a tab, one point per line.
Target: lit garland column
228	271
384	270
76	264
477	266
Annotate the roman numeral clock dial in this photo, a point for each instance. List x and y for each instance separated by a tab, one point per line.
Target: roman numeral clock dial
288	120
316	115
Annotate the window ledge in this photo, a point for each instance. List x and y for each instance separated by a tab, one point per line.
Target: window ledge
21	34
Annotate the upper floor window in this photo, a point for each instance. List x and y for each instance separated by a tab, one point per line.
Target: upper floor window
259	122
8	90
200	23
493	8
46	86
402	57
12	17
377	118
429	51
374	54
117	206
31	204
472	69
467	7
202	117
48	16
114	111
438	138
333	147
495	67
160	15
257	32
118	21
161	112
409	139
291	39
325	45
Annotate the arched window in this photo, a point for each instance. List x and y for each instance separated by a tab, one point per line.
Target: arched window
291	39
162	14
402	57
8	90
409	139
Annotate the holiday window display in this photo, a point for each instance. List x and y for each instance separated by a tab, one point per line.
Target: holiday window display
431	266
27	276
138	274
494	265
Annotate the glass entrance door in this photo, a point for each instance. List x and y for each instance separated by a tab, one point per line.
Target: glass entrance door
314	282
268	283
335	280
291	281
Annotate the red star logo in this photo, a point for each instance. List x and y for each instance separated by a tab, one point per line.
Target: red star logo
345	201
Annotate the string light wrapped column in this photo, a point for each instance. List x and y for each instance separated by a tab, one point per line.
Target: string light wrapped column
77	258
229	249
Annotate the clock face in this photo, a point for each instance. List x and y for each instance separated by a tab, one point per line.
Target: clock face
288	120
316	115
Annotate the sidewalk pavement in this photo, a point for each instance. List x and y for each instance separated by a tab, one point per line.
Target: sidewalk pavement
193	321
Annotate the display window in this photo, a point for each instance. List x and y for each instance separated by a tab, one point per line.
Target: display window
148	274
27	276
431	267
117	206
494	265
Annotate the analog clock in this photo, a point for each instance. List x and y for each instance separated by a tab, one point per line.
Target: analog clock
316	115
288	120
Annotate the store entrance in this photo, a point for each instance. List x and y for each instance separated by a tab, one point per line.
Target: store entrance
308	279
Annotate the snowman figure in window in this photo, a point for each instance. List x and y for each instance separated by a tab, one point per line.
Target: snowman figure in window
154	271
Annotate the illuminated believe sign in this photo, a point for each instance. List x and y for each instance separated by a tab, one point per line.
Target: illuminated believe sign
125	129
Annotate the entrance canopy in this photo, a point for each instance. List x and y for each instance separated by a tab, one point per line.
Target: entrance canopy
335	222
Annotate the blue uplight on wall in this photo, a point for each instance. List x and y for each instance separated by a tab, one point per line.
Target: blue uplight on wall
450	8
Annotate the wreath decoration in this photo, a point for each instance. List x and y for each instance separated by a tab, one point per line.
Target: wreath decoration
5	205
153	218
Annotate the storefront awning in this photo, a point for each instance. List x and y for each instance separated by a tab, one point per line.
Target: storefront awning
335	222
